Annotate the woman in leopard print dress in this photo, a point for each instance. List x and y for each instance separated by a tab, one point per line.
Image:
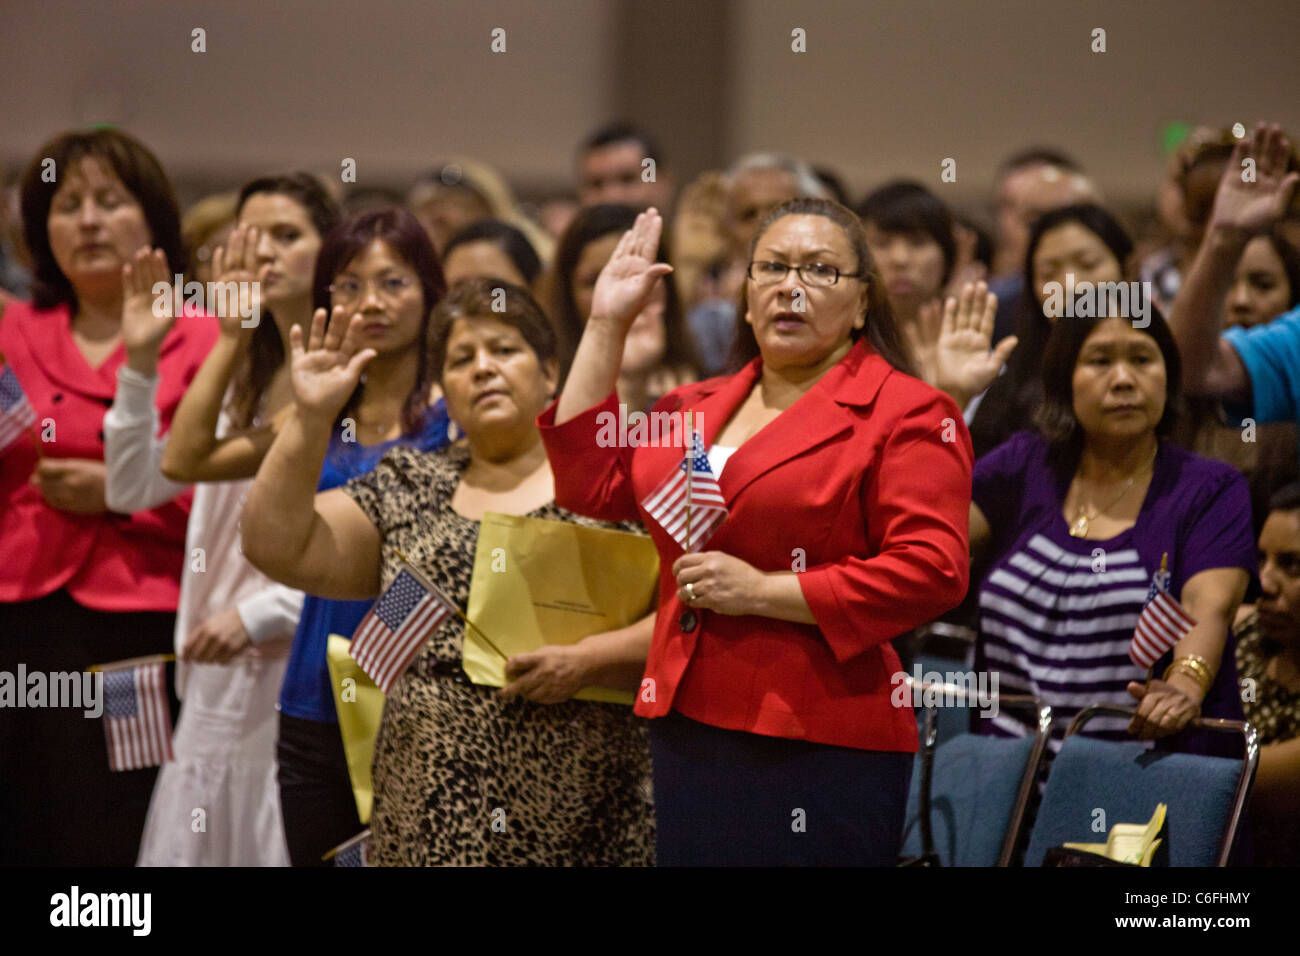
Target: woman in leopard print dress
465	775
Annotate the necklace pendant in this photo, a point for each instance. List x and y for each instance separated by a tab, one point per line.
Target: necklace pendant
1080	527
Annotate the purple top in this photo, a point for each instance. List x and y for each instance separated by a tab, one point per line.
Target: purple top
1057	613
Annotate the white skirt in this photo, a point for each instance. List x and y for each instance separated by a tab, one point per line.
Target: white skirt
218	802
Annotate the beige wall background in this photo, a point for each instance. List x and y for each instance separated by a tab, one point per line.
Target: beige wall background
888	87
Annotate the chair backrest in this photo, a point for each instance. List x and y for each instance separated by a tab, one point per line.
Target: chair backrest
980	786
1125	780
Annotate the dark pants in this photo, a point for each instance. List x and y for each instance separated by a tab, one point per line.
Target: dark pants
60	805
316	798
730	798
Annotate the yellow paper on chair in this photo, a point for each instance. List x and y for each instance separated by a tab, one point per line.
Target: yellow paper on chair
360	706
1134	843
539	582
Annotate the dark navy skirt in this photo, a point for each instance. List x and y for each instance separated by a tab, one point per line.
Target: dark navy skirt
731	798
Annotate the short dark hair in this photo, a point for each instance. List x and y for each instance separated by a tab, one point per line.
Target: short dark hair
590	224
1037	156
510	240
141	174
478	298
402	232
881	328
266	351
1055	418
1286	498
622	132
904	206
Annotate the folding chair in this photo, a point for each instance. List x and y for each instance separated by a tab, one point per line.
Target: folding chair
969	792
1205	795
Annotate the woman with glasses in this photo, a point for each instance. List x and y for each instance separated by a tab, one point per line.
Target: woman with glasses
846	485
380	267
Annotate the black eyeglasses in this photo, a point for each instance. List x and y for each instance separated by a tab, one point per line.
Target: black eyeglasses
766	272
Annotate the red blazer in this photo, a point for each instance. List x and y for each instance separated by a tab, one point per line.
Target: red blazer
108	562
869	473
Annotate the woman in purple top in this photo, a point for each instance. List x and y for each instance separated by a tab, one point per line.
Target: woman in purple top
1075	523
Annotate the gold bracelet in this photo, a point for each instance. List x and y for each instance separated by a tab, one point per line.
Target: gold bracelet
1194	667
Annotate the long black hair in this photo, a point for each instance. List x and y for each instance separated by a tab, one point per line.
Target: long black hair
1009	403
403	234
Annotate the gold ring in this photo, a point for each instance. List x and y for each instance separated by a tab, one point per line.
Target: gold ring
690	593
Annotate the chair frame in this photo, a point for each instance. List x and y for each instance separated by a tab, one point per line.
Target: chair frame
929	737
1249	762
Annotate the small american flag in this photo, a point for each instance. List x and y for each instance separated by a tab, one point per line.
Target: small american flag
692	480
16	412
137	721
354	852
401	620
1162	623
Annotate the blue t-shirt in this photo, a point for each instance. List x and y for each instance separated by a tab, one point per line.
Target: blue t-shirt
306	692
1271	354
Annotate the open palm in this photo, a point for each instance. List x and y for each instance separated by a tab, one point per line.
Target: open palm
325	373
236	262
143	326
965	364
1252	207
628	279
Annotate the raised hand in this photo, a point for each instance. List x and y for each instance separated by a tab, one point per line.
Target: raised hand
236	261
326	372
965	365
629	278
1244	209
146	317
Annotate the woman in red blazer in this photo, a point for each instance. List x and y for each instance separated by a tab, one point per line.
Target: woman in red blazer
847	489
81	585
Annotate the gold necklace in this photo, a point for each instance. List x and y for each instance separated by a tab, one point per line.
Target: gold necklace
1079	529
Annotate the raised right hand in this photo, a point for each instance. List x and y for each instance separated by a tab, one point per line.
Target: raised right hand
1245	209
143	326
326	372
628	279
236	261
965	365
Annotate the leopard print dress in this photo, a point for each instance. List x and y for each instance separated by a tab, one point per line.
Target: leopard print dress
460	777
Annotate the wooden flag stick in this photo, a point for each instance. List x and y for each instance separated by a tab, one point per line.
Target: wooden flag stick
690	467
133	662
452	605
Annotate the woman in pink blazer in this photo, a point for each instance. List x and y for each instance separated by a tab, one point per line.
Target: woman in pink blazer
80	584
846	484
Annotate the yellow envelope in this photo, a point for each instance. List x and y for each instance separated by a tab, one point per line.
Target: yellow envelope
360	706
539	582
